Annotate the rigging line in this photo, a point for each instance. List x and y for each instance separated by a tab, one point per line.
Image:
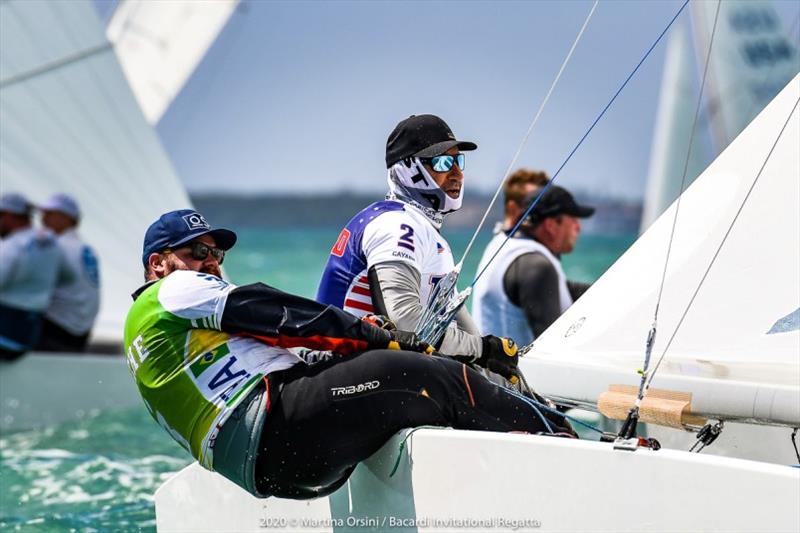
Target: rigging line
529	132
55	65
721	244
680	193
580	142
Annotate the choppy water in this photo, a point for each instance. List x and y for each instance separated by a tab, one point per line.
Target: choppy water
100	473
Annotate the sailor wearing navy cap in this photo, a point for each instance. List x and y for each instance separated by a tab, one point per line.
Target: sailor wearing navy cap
390	256
524	289
31	264
73	307
212	364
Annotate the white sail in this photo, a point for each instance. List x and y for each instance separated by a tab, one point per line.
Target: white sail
69	123
738	350
674	119
752	59
159	44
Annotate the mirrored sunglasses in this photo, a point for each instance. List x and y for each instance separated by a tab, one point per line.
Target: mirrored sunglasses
443	163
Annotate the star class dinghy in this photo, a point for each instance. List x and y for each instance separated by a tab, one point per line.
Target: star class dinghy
729	328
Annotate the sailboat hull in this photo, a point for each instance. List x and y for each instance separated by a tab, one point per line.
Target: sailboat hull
449	480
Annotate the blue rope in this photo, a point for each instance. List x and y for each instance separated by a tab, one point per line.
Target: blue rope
533	403
603	112
538	405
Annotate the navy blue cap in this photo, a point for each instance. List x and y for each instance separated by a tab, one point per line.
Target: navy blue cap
179	227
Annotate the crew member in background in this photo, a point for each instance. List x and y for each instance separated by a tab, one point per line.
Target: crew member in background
73	307
524	289
518	190
31	264
391	255
210	361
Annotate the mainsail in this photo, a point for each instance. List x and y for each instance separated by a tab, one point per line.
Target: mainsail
69	123
159	44
752	60
738	350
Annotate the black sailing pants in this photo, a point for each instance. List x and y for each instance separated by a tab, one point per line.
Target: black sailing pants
329	416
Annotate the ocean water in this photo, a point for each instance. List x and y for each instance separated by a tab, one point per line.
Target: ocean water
100	473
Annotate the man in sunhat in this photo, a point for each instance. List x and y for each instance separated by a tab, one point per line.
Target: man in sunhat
211	362
73	307
31	264
390	256
524	289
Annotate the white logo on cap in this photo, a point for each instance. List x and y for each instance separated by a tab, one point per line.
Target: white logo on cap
195	221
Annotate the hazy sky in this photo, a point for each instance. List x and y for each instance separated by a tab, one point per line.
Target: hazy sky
300	96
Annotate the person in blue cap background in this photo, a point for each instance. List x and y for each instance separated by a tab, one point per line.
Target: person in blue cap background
31	264
73	306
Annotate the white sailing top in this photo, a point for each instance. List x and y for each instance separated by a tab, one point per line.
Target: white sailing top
31	263
493	311
74	304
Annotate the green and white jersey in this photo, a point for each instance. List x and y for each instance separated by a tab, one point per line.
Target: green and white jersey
191	375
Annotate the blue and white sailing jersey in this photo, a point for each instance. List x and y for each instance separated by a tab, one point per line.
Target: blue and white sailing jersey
387	231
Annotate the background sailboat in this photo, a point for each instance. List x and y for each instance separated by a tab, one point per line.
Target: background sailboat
753	59
69	122
159	45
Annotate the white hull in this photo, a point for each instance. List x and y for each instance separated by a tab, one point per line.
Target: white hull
481	478
42	389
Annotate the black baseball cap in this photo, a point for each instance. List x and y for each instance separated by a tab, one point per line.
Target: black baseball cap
557	201
177	228
422	136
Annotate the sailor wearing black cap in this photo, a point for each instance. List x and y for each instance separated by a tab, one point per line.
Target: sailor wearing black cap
524	289
390	256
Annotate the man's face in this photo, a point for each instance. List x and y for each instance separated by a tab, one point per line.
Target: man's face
513	209
565	230
56	221
452	180
181	259
11	221
5	223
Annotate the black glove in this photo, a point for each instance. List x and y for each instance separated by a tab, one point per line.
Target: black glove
406	340
378	338
500	356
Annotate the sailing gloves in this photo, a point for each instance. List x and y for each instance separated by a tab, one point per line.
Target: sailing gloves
379	337
406	340
500	356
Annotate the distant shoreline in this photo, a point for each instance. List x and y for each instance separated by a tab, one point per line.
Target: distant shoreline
613	216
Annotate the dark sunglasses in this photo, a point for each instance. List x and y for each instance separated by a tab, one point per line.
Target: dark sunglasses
201	250
443	163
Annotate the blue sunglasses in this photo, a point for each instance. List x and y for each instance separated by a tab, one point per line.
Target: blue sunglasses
443	163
